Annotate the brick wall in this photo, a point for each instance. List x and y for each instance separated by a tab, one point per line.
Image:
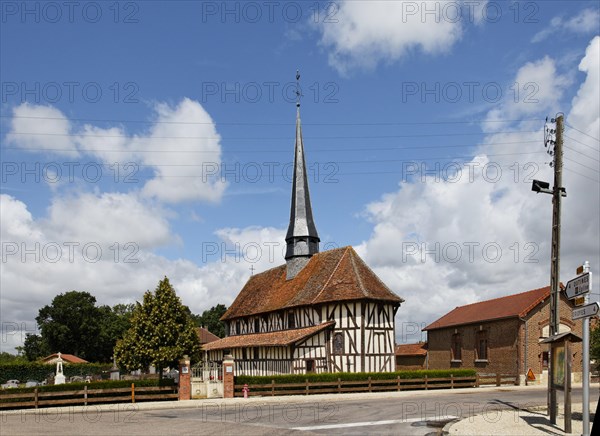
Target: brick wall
507	352
410	362
502	338
537	319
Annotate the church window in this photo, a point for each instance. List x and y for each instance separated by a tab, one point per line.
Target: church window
338	343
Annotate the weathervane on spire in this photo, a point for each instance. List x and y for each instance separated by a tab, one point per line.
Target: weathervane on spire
298	91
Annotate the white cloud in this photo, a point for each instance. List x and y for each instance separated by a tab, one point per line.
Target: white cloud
420	229
537	88
119	273
41	128
585	22
363	34
180	148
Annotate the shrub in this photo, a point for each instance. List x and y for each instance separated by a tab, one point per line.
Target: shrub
38	371
356	376
107	384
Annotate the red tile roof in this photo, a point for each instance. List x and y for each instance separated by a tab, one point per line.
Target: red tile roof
270	339
205	336
69	358
498	308
333	275
418	349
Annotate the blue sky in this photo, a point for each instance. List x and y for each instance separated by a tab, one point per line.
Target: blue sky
422	130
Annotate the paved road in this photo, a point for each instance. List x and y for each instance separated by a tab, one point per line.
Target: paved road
414	413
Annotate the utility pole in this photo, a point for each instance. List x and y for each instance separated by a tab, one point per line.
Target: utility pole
555	259
557	193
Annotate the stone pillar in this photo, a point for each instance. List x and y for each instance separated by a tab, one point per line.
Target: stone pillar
185	379
228	376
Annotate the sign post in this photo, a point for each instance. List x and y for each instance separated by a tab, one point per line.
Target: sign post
560	371
578	289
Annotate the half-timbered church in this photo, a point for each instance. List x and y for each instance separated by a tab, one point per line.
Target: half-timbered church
318	312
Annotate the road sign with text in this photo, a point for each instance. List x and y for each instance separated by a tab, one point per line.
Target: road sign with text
579	285
586	311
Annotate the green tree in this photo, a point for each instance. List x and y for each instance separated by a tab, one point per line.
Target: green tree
162	331
210	319
6	357
73	324
34	347
595	345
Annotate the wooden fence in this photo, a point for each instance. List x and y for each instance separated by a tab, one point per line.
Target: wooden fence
370	385
86	396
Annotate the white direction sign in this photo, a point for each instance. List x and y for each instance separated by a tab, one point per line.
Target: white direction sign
578	286
586	311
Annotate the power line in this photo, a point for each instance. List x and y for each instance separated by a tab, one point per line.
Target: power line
413	123
582	175
582	132
583	154
583	165
415	147
269	138
582	143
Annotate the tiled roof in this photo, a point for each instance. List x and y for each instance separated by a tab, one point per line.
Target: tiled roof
498	308
270	339
418	349
69	358
333	275
205	336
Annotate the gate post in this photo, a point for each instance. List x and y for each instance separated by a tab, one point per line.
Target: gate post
185	379
228	376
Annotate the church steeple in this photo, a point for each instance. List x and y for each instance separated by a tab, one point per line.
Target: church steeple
302	239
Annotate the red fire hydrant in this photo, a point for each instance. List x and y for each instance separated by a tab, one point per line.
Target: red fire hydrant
245	390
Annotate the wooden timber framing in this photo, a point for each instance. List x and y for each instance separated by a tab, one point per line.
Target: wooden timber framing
364	327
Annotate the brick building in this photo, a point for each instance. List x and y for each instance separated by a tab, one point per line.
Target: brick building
411	356
501	335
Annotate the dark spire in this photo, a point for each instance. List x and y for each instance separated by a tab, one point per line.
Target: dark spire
302	239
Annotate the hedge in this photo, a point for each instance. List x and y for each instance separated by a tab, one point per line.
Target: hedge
356	376
107	384
41	371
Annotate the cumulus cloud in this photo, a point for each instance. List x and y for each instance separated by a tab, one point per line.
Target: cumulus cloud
538	88
364	34
106	244
179	147
482	233
38	128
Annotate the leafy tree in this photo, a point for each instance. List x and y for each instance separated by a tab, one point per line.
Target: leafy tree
162	331
34	347
6	357
595	345
70	324
210	319
73	324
